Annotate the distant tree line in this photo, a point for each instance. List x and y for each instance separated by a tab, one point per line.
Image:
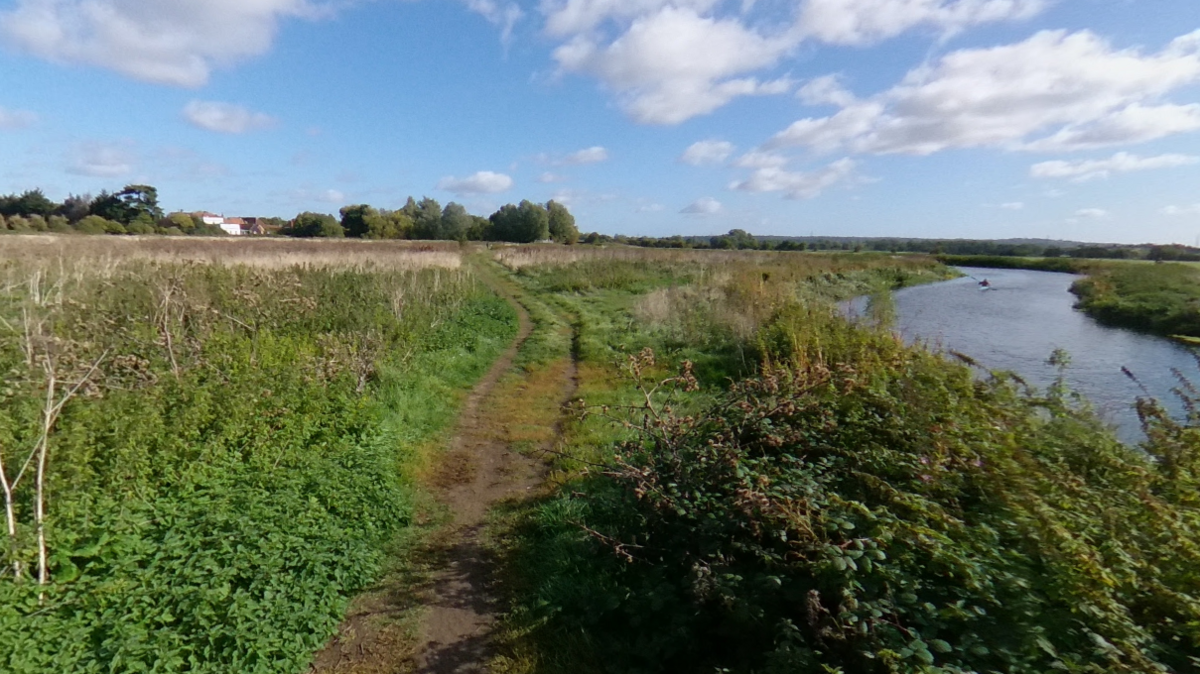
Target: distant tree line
738	239
427	219
135	210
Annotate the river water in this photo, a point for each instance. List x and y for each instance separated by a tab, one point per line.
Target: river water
1022	319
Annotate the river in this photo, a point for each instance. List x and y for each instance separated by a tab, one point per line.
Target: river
1022	319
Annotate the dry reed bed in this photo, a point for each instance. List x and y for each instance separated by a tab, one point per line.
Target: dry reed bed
516	257
263	253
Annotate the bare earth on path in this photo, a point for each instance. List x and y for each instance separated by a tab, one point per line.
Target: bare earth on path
457	598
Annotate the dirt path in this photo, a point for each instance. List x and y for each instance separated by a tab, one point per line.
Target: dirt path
458	598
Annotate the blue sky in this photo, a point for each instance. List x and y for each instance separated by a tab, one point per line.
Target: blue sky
1073	119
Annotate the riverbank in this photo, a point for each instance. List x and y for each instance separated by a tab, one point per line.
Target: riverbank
761	487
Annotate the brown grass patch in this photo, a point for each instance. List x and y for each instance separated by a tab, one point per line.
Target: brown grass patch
526	412
262	252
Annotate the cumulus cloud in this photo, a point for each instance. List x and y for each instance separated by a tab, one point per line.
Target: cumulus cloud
674	64
175	42
1055	91
707	152
549	177
1194	209
483	182
225	117
796	184
16	119
1121	162
860	22
671	60
1096	213
702	206
101	160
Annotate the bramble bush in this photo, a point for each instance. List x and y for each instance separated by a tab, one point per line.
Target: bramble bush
862	506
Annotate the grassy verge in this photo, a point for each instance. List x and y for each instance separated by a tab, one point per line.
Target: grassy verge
1160	298
237	455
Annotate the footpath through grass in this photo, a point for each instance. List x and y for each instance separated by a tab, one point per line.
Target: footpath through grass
758	486
220	454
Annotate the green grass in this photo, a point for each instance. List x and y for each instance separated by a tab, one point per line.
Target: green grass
1161	298
216	497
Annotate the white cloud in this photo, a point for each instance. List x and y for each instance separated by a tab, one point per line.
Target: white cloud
794	184
1121	162
826	90
332	196
1013	205
650	208
504	16
590	155
549	177
760	159
674	64
101	160
225	117
707	152
702	206
1194	209
1096	213
1055	91
483	182
16	119
859	22
175	42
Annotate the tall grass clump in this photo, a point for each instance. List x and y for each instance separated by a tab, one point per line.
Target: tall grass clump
221	452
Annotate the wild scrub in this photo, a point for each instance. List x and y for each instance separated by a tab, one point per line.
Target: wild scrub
227	452
851	504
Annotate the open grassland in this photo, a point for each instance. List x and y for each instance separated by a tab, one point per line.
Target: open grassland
754	485
204	461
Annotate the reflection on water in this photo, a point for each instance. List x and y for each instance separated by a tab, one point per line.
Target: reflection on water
1026	315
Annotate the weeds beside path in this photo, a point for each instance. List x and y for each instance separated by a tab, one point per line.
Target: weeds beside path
436	613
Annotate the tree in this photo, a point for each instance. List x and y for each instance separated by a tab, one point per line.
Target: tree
30	202
361	220
400	223
75	207
310	224
562	223
184	222
141	200
481	229
525	223
456	222
107	206
427	224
